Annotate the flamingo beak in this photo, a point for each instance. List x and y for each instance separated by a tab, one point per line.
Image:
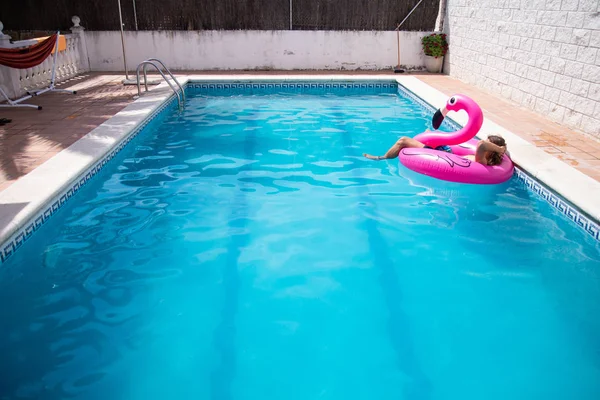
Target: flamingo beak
438	117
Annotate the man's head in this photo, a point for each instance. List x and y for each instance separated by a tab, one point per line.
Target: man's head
494	157
497	140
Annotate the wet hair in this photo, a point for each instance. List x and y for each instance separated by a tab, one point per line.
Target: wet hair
495	158
497	140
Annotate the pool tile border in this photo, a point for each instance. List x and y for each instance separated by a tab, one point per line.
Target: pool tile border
568	190
39	219
296	87
18	234
559	203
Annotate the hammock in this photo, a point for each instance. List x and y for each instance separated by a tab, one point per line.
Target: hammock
28	57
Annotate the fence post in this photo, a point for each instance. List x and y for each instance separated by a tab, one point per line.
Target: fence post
441	17
9	77
78	31
4	39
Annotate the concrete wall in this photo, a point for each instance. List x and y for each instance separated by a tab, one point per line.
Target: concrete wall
541	54
198	50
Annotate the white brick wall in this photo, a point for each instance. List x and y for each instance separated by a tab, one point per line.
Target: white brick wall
541	54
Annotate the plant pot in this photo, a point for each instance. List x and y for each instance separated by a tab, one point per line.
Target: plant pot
433	64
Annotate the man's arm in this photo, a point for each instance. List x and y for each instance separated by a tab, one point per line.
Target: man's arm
484	146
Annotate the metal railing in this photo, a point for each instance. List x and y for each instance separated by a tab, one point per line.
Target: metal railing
152	61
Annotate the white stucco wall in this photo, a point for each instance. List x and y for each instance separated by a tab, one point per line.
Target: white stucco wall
205	50
541	54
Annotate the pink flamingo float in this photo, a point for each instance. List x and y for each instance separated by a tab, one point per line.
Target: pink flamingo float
454	166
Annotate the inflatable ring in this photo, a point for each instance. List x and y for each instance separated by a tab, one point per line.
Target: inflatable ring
454	167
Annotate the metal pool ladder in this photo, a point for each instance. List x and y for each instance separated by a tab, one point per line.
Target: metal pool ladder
153	62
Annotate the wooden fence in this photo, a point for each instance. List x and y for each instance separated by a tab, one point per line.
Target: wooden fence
379	15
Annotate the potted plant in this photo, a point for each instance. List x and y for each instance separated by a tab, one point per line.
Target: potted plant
435	48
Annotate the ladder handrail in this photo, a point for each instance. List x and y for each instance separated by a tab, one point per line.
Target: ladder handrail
169	72
143	63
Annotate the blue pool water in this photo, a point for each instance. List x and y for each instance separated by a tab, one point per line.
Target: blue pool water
245	250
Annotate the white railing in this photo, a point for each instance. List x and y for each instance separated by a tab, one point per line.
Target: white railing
69	63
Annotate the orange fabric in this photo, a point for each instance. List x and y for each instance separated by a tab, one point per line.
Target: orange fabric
29	56
62	42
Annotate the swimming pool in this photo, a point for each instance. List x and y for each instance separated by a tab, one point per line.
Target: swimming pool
244	249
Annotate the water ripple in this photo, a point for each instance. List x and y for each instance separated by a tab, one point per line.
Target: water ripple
250	231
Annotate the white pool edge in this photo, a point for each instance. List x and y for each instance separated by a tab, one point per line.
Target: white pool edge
573	185
25	203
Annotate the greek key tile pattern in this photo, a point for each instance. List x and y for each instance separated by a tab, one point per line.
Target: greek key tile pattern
321	88
590	226
8	248
16	241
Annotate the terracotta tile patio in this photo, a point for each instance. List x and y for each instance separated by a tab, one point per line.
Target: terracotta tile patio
35	136
578	150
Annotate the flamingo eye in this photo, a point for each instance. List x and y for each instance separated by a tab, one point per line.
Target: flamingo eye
452	100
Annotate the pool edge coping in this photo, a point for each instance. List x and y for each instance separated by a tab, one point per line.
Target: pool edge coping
571	184
45	189
80	161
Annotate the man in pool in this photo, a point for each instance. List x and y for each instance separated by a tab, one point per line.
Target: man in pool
489	151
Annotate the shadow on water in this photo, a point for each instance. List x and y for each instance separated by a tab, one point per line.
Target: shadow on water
49	332
486	218
35	358
398	325
223	374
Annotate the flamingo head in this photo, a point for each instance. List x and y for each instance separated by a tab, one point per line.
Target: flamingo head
455	103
